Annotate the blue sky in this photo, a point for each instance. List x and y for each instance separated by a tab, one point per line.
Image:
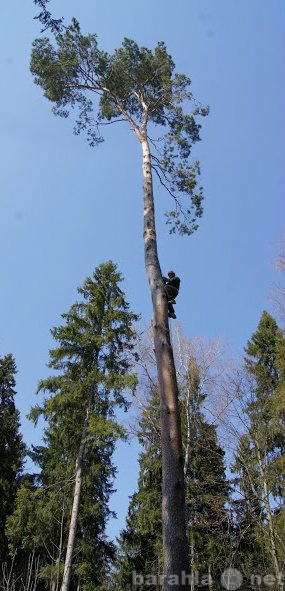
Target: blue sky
65	208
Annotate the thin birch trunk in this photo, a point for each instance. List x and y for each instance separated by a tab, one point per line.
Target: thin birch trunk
75	506
210	580
58	560
270	520
187	448
192	561
175	546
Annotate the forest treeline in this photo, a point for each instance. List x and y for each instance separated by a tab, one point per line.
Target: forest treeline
53	519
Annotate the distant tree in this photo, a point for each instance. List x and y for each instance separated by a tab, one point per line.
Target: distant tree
260	457
12	448
64	514
207	490
250	552
139	86
278	293
140	543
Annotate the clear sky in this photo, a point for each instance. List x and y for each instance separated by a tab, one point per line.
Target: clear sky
65	207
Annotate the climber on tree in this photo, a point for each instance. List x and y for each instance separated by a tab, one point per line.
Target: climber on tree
172	284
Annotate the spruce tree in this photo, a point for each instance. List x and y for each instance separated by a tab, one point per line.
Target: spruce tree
260	457
207	494
207	490
11	447
140	542
92	374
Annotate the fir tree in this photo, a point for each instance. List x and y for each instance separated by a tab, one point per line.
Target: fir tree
207	493
140	543
207	490
260	458
92	363
11	447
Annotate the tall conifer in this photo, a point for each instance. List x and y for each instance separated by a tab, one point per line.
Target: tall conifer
260	458
140	543
92	374
11	447
207	493
207	489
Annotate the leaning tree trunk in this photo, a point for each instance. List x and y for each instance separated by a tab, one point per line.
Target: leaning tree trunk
175	546
75	505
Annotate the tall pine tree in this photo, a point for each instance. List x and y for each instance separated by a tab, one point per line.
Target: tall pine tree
139	86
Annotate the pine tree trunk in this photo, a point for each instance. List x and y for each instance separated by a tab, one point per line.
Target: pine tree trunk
175	547
75	507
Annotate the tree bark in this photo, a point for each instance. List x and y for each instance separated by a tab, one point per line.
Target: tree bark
273	547
75	506
175	546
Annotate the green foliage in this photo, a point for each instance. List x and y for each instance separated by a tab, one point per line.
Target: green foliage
207	491
93	373
45	18
260	458
137	77
261	356
11	447
140	543
134	84
265	364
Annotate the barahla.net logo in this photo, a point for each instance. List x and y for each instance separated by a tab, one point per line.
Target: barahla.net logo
231	579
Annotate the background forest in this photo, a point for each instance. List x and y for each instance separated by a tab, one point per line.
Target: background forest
71	217
233	440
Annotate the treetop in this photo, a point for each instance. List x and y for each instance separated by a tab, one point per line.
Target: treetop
136	85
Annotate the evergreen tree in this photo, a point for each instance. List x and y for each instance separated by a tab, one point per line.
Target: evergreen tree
260	457
139	86
11	447
92	363
207	494
250	553
140	543
207	490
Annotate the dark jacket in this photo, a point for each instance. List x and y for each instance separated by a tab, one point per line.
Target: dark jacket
172	281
